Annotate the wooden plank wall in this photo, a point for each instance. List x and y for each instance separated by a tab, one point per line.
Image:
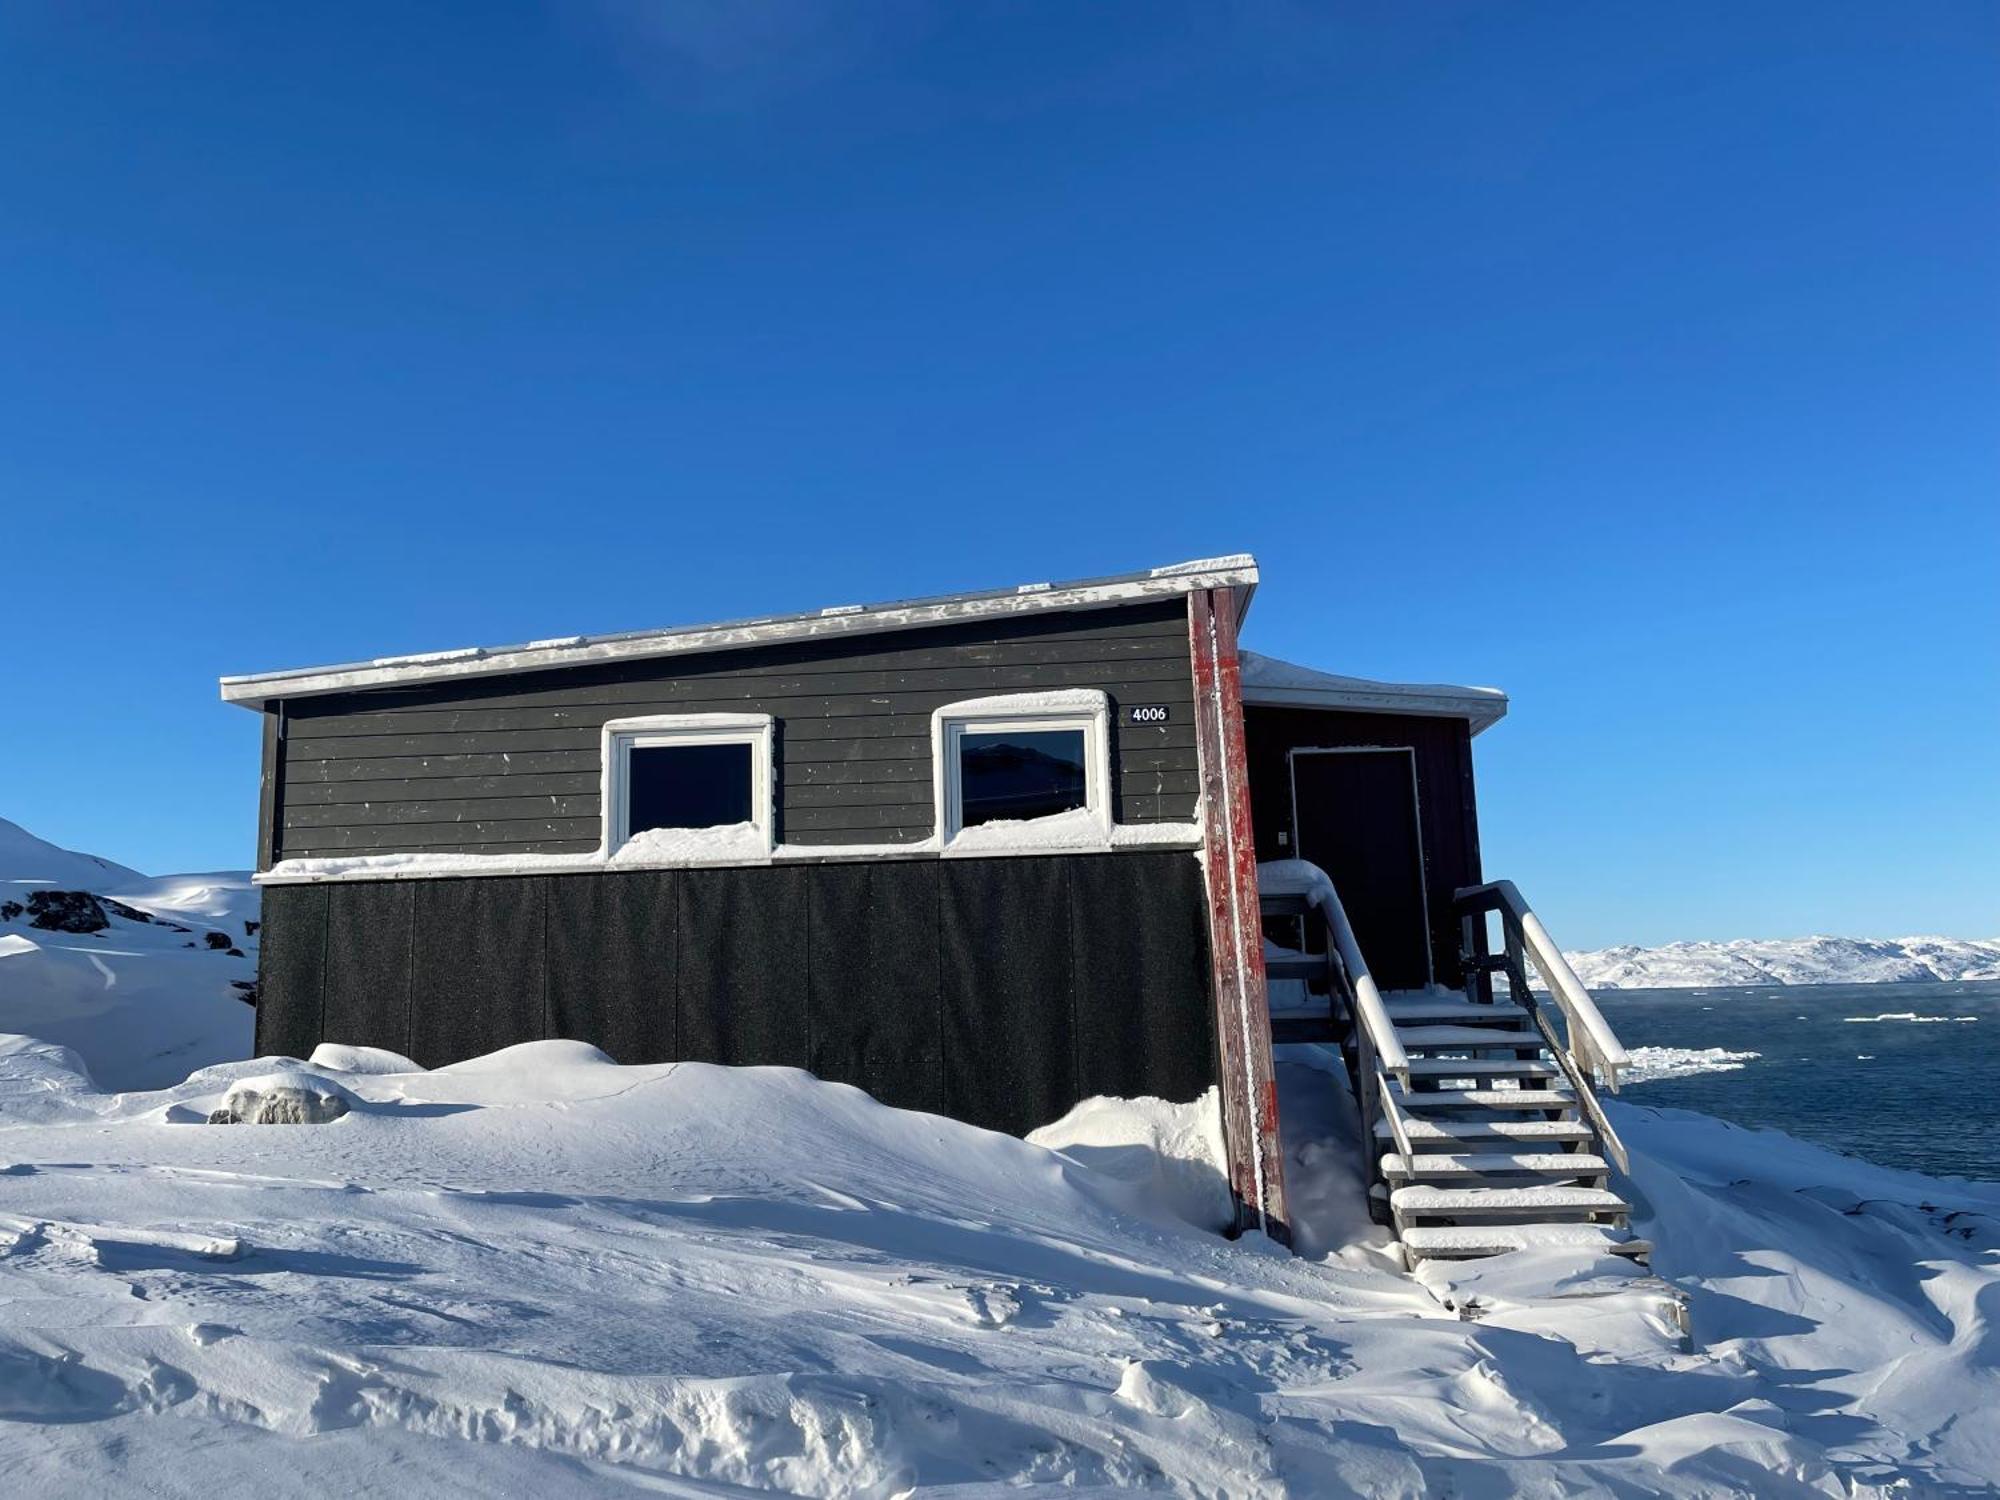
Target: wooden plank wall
510	764
1001	991
1447	813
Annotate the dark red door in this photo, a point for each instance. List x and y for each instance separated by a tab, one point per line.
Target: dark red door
1356	818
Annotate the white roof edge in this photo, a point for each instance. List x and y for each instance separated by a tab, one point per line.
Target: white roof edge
1269	681
1208	565
1238	571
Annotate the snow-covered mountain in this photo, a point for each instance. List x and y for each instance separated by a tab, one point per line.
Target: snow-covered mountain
1806	960
25	858
144	978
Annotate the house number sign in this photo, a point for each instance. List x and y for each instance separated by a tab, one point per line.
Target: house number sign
1146	713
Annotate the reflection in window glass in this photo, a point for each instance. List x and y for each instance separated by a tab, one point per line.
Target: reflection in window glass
687	786
1019	773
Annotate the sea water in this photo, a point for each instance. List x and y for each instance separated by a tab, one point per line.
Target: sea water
1907	1075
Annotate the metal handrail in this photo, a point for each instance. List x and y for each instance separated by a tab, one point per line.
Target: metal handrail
1365	998
1593	1045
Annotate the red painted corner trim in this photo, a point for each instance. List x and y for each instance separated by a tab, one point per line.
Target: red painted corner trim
1243	1026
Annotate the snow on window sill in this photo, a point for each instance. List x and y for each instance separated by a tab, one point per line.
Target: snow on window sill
1079	831
742	845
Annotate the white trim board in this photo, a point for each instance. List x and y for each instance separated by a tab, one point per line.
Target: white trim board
622	736
1126	838
1238	572
1085	709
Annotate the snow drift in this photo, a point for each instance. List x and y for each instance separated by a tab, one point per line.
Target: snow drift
538	1272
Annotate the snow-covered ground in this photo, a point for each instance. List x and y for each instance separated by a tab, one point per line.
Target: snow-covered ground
1807	960
540	1273
157	990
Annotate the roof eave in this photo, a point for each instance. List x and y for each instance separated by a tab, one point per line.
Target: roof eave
1238	573
1481	710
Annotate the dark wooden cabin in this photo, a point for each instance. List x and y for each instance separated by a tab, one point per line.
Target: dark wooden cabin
1372	782
986	855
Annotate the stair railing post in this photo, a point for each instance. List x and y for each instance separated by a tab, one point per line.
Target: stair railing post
1367	1084
1475	948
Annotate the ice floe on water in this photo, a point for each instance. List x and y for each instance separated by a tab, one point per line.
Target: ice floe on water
1650	1064
1904	1015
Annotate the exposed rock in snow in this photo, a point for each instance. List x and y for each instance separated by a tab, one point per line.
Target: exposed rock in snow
1808	960
292	1098
76	912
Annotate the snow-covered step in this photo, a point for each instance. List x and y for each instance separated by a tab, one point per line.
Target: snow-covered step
1472	1132
1420	1101
1470	1241
1512	1205
1291	1026
1492	1166
1420	1039
1481	1067
1307	966
1444	1010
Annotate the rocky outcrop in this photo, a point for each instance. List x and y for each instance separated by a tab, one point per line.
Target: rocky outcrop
76	912
283	1099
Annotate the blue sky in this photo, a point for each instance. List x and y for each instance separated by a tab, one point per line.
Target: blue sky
1643	361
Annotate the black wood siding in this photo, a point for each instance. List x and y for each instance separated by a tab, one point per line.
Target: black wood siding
510	764
1447	814
1001	991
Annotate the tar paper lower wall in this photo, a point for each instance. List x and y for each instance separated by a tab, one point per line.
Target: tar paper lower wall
999	991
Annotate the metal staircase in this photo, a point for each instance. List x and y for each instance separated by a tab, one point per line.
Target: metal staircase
1485	1131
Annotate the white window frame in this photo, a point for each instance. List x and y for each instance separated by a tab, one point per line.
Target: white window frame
623	736
1089	711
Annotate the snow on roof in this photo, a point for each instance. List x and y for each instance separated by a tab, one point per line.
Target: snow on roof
1235	570
1268	680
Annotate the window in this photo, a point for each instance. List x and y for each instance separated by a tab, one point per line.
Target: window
1019	773
1012	759
687	786
687	771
